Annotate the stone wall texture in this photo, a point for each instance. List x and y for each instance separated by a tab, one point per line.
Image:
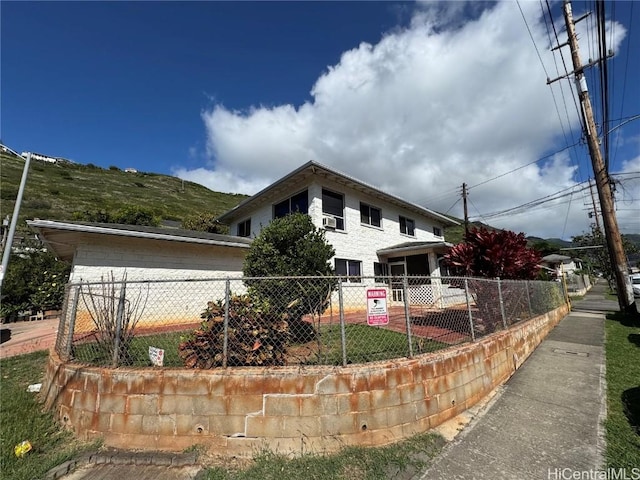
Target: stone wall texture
290	410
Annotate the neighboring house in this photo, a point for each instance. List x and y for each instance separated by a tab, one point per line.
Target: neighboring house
151	258
146	253
372	232
561	264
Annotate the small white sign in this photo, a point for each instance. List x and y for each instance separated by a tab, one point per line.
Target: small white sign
156	355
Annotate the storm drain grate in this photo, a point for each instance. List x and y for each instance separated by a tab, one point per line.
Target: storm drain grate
569	352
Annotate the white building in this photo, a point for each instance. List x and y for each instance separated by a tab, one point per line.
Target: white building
372	232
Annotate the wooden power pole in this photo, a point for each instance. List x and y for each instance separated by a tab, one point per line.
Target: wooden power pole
603	184
466	211
595	208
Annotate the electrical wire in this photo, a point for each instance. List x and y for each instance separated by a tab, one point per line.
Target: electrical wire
540	201
624	82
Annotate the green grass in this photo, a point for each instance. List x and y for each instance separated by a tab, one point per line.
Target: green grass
407	457
367	344
55	191
22	418
623	392
364	344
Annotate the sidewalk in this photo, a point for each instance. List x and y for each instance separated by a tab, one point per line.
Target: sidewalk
545	422
25	337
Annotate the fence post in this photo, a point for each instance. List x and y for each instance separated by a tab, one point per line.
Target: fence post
528	298
504	317
119	319
466	293
72	322
225	336
407	312
343	334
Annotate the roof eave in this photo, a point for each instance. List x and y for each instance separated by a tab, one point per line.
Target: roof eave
387	251
93	229
230	214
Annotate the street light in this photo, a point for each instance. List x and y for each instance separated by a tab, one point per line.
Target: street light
14	220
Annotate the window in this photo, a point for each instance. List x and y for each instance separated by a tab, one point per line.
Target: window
407	226
370	215
333	205
244	228
351	269
381	272
297	203
437	231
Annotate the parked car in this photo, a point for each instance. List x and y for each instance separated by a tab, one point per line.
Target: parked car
635	284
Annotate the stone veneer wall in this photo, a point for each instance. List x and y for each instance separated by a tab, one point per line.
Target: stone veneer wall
286	409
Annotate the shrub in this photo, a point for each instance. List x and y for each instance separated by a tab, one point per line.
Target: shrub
291	246
256	336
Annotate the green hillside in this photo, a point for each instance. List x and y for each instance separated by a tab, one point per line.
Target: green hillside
56	191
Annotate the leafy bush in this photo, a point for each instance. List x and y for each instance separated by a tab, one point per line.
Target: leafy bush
129	215
256	336
494	254
35	279
38	203
291	246
204	222
8	193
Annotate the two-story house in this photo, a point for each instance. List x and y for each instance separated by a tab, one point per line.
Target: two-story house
373	232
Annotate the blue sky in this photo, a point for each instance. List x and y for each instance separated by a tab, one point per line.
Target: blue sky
415	98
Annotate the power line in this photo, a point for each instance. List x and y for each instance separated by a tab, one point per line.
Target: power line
523	166
624	83
539	201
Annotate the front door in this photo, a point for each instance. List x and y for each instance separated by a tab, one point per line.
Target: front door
397	271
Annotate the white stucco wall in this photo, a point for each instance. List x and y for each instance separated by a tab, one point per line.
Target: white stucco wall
165	302
357	241
153	260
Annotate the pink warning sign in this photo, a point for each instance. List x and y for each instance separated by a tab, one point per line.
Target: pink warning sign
377	313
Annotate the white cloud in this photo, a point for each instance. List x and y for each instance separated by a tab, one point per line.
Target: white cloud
419	113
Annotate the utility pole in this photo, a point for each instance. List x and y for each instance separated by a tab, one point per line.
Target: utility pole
595	208
466	211
603	184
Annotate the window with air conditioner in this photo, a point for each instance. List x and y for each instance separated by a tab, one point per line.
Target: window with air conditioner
329	222
333	206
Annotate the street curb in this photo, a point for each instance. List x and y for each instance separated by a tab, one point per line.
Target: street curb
118	457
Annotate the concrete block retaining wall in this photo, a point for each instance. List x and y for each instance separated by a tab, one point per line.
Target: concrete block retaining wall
286	409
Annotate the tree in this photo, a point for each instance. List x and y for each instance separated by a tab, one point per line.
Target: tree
291	246
128	215
494	254
35	279
597	258
203	222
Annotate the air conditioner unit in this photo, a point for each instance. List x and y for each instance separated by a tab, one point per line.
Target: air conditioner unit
329	222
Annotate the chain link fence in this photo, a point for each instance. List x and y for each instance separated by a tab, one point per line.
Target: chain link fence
226	322
577	284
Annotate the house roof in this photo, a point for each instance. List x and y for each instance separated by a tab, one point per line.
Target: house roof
62	237
291	182
555	258
409	247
